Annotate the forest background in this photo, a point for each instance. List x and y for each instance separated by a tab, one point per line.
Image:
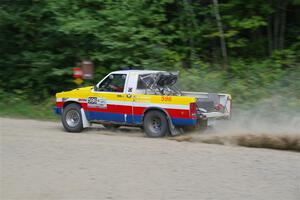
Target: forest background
248	48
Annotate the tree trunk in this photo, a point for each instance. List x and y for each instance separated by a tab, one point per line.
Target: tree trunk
270	32
282	24
191	26
279	24
221	31
270	36
276	25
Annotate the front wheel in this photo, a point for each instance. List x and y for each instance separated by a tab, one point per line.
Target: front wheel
71	118
156	124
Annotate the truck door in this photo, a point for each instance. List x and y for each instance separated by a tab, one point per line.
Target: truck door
109	102
140	101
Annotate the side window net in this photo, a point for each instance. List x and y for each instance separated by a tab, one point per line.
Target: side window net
161	83
113	83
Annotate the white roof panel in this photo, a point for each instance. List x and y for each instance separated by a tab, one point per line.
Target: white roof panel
136	71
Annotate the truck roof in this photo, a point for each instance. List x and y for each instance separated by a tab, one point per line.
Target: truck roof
137	71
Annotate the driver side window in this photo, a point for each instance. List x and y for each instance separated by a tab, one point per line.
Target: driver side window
113	83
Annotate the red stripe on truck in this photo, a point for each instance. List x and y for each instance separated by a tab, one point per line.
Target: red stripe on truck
129	110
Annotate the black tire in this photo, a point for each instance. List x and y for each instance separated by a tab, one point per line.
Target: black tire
72	119
156	124
111	127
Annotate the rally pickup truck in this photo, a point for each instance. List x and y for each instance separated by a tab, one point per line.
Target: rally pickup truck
141	98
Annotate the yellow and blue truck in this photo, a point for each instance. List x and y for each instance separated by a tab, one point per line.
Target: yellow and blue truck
144	98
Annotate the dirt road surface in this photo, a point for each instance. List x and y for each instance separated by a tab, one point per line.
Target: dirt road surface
41	161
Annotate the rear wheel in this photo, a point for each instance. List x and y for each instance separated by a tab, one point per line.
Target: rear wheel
156	124
71	118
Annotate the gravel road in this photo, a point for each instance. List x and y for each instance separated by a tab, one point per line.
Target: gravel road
41	161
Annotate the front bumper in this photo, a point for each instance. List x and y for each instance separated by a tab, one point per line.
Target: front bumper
56	110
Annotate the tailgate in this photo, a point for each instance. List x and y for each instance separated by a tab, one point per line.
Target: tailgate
212	105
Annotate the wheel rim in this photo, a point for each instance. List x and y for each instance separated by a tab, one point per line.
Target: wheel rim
155	125
72	118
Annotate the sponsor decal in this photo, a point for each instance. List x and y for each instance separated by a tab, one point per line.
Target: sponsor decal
96	102
166	98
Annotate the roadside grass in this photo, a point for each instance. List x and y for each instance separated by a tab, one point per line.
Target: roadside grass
18	108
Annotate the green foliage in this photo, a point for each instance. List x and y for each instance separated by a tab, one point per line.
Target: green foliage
248	82
250	23
42	40
16	105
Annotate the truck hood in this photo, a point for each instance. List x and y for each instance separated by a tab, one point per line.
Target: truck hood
83	88
72	92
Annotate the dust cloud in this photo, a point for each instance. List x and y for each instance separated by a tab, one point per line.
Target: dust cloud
265	126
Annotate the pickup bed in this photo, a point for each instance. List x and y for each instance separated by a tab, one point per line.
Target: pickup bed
144	98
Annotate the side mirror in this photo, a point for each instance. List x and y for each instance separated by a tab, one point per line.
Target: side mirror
96	88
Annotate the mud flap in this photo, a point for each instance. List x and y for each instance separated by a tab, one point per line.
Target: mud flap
85	122
174	130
